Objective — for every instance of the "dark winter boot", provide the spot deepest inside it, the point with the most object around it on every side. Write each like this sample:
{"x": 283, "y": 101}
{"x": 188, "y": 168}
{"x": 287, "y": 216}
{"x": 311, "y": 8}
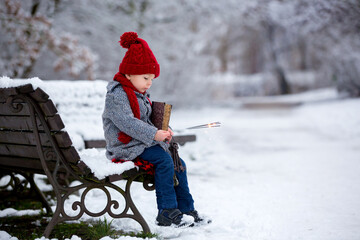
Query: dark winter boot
{"x": 166, "y": 217}
{"x": 197, "y": 218}
{"x": 195, "y": 215}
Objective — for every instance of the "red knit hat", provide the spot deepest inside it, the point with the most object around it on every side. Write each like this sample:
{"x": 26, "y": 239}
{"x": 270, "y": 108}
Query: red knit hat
{"x": 139, "y": 59}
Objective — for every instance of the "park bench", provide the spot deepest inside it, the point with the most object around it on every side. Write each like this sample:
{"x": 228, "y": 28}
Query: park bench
{"x": 180, "y": 139}
{"x": 33, "y": 141}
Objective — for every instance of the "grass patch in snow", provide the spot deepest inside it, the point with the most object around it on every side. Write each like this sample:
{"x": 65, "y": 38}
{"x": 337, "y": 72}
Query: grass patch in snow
{"x": 10, "y": 201}
{"x": 32, "y": 227}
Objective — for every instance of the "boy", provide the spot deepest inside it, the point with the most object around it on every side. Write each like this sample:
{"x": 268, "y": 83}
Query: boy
{"x": 129, "y": 133}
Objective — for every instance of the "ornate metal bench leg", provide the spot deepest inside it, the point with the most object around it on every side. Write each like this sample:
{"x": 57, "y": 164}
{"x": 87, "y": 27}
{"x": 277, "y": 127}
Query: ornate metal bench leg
{"x": 60, "y": 214}
{"x": 39, "y": 194}
{"x": 136, "y": 214}
{"x": 18, "y": 186}
{"x": 54, "y": 220}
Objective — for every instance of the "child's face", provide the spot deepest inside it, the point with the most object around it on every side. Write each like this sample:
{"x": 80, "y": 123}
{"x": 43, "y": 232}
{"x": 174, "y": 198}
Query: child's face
{"x": 141, "y": 82}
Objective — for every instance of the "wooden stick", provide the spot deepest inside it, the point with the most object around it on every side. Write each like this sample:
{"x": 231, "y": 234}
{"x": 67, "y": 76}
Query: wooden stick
{"x": 166, "y": 120}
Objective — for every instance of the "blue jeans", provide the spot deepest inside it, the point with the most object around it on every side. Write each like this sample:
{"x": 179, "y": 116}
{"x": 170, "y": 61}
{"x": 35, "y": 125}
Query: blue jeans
{"x": 168, "y": 196}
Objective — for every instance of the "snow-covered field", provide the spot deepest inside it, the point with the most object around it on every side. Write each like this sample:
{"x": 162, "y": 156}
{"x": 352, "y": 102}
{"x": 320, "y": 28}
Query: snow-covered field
{"x": 278, "y": 174}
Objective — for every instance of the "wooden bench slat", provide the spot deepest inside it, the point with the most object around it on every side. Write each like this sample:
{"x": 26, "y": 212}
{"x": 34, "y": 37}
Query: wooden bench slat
{"x": 63, "y": 139}
{"x": 24, "y": 123}
{"x": 39, "y": 95}
{"x": 23, "y": 163}
{"x": 82, "y": 168}
{"x": 16, "y": 123}
{"x": 30, "y": 151}
{"x": 28, "y": 138}
{"x": 28, "y": 164}
{"x": 180, "y": 139}
{"x": 124, "y": 175}
{"x": 6, "y": 110}
{"x": 71, "y": 155}
{"x": 6, "y": 92}
{"x": 95, "y": 143}
{"x": 3, "y": 99}
{"x": 55, "y": 123}
{"x": 48, "y": 108}
{"x": 27, "y": 88}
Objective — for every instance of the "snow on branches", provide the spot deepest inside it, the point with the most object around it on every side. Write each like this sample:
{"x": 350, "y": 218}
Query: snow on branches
{"x": 26, "y": 32}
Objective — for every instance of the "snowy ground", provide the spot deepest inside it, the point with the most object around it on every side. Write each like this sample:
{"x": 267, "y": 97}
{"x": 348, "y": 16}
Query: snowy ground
{"x": 268, "y": 174}
{"x": 290, "y": 174}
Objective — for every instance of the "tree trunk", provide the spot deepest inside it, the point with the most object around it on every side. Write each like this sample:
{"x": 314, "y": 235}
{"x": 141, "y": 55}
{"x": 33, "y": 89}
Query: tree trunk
{"x": 279, "y": 71}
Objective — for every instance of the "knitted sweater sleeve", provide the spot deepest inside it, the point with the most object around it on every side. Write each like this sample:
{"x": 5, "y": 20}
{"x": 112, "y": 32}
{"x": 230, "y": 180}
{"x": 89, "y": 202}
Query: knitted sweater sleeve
{"x": 118, "y": 110}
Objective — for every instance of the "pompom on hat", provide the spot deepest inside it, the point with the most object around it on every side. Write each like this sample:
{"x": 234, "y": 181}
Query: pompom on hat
{"x": 139, "y": 59}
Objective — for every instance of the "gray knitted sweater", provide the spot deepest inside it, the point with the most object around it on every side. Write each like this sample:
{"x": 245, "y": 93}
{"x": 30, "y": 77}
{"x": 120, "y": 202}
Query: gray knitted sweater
{"x": 118, "y": 116}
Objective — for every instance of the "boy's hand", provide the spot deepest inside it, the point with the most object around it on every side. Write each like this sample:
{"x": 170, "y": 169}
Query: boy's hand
{"x": 161, "y": 135}
{"x": 171, "y": 134}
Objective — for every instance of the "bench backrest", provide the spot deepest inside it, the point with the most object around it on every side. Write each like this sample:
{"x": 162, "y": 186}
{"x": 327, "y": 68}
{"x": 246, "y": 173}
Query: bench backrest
{"x": 31, "y": 130}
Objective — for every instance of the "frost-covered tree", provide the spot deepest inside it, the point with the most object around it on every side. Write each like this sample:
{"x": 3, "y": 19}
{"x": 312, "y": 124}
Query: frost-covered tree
{"x": 26, "y": 32}
{"x": 301, "y": 35}
{"x": 329, "y": 33}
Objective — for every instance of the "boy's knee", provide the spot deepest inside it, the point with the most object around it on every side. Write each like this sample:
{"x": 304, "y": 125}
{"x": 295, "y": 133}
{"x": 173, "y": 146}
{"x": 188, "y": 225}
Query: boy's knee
{"x": 166, "y": 162}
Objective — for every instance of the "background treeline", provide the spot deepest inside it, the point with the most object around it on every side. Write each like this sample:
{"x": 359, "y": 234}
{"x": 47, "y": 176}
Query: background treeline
{"x": 206, "y": 49}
